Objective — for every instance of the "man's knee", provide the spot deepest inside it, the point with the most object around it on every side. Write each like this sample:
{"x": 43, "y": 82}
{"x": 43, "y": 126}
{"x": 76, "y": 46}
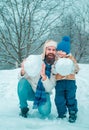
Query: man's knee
{"x": 22, "y": 81}
{"x": 45, "y": 111}
{"x": 21, "y": 88}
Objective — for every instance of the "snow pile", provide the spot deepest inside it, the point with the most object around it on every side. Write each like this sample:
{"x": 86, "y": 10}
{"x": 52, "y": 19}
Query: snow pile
{"x": 9, "y": 105}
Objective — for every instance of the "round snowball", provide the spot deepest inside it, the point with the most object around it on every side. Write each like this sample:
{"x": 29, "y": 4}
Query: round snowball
{"x": 64, "y": 66}
{"x": 33, "y": 65}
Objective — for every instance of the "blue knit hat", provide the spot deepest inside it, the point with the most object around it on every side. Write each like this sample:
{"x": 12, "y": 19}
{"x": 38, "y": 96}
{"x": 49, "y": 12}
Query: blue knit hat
{"x": 64, "y": 45}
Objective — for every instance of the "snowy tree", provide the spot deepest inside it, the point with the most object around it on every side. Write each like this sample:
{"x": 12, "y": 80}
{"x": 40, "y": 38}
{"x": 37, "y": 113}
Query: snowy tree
{"x": 74, "y": 23}
{"x": 24, "y": 26}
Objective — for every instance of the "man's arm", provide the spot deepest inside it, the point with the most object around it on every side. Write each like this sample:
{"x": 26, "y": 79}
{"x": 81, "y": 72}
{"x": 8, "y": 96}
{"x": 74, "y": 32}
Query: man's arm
{"x": 49, "y": 84}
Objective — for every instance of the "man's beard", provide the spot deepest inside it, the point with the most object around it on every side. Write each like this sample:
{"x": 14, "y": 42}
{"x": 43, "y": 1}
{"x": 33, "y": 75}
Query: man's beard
{"x": 50, "y": 58}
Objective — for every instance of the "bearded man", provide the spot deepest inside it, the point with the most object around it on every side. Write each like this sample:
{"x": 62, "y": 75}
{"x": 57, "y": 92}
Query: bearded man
{"x": 38, "y": 88}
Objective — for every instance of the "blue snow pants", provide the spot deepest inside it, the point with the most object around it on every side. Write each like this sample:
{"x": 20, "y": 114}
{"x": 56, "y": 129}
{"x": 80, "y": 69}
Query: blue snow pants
{"x": 65, "y": 96}
{"x": 25, "y": 93}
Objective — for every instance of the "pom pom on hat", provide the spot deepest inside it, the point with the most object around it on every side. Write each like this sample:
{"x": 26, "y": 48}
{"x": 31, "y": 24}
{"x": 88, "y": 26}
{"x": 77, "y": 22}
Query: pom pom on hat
{"x": 66, "y": 38}
{"x": 64, "y": 45}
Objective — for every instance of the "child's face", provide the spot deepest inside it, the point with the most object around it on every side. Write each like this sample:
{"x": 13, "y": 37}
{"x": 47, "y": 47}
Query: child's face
{"x": 61, "y": 54}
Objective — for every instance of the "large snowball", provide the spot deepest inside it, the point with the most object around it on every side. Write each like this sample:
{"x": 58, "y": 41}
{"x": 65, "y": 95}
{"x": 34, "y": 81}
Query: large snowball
{"x": 33, "y": 65}
{"x": 64, "y": 66}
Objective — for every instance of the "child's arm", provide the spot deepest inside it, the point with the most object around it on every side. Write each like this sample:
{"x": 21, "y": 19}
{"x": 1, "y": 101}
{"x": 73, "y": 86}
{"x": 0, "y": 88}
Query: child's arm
{"x": 76, "y": 66}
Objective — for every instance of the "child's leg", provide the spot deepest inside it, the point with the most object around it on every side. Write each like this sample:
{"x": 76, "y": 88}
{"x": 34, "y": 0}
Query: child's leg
{"x": 71, "y": 100}
{"x": 60, "y": 98}
{"x": 71, "y": 95}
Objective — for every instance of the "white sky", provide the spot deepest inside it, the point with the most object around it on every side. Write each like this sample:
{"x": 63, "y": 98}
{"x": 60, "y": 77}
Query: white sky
{"x": 9, "y": 105}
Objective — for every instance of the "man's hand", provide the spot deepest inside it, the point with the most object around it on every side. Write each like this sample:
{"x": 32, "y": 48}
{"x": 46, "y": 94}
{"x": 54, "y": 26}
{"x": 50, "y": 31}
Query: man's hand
{"x": 43, "y": 72}
{"x": 22, "y": 68}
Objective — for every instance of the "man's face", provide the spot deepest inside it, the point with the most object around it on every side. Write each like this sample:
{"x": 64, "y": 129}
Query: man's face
{"x": 50, "y": 53}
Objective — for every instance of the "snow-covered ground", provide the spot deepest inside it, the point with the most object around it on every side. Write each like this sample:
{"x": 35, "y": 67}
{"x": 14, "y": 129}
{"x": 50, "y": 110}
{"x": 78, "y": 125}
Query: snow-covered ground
{"x": 9, "y": 105}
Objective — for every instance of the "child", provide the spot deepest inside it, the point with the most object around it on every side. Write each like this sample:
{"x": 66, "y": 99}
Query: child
{"x": 65, "y": 89}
